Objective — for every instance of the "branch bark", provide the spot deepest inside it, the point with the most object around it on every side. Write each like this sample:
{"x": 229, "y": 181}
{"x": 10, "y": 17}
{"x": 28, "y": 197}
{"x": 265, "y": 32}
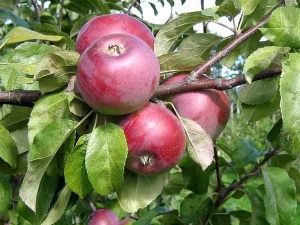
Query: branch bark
{"x": 19, "y": 97}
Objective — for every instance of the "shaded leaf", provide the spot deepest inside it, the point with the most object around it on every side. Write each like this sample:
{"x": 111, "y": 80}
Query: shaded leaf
{"x": 75, "y": 172}
{"x": 105, "y": 158}
{"x": 45, "y": 145}
{"x": 16, "y": 119}
{"x": 200, "y": 147}
{"x": 5, "y": 193}
{"x": 8, "y": 148}
{"x": 147, "y": 218}
{"x": 243, "y": 154}
{"x": 280, "y": 199}
{"x": 139, "y": 191}
{"x": 8, "y": 15}
{"x": 170, "y": 32}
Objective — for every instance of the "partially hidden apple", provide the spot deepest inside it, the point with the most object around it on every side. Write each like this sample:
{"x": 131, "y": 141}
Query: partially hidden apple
{"x": 126, "y": 221}
{"x": 117, "y": 74}
{"x": 103, "y": 25}
{"x": 210, "y": 108}
{"x": 156, "y": 139}
{"x": 104, "y": 217}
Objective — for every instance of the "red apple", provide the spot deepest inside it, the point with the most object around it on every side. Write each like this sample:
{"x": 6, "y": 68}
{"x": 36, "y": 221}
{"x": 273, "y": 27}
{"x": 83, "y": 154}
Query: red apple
{"x": 210, "y": 108}
{"x": 101, "y": 26}
{"x": 126, "y": 221}
{"x": 104, "y": 217}
{"x": 117, "y": 74}
{"x": 156, "y": 139}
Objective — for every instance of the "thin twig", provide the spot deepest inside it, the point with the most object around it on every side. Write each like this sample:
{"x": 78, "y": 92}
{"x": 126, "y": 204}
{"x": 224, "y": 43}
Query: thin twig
{"x": 36, "y": 9}
{"x": 223, "y": 25}
{"x": 237, "y": 184}
{"x": 218, "y": 173}
{"x": 60, "y": 15}
{"x": 131, "y": 6}
{"x": 204, "y": 23}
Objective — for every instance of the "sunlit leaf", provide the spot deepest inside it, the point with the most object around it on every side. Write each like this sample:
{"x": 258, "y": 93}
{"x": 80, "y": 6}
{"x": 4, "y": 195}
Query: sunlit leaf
{"x": 248, "y": 6}
{"x": 283, "y": 27}
{"x": 139, "y": 191}
{"x": 105, "y": 158}
{"x": 280, "y": 199}
{"x": 45, "y": 145}
{"x": 262, "y": 59}
{"x": 8, "y": 148}
{"x": 200, "y": 147}
{"x": 290, "y": 107}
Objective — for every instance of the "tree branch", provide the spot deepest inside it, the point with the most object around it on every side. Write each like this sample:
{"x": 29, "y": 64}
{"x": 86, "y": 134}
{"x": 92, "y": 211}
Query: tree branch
{"x": 237, "y": 184}
{"x": 219, "y": 83}
{"x": 36, "y": 9}
{"x": 19, "y": 97}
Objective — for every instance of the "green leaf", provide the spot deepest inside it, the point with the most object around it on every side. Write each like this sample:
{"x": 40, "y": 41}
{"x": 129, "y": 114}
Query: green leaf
{"x": 262, "y": 59}
{"x": 47, "y": 109}
{"x": 16, "y": 119}
{"x": 45, "y": 145}
{"x": 5, "y": 194}
{"x": 17, "y": 21}
{"x": 283, "y": 27}
{"x": 105, "y": 158}
{"x": 8, "y": 148}
{"x": 55, "y": 69}
{"x": 8, "y": 4}
{"x": 139, "y": 191}
{"x": 171, "y": 31}
{"x": 256, "y": 112}
{"x": 290, "y": 107}
{"x": 295, "y": 175}
{"x": 194, "y": 208}
{"x": 243, "y": 154}
{"x": 179, "y": 61}
{"x": 59, "y": 207}
{"x": 256, "y": 197}
{"x": 195, "y": 178}
{"x": 200, "y": 146}
{"x": 149, "y": 215}
{"x": 248, "y": 6}
{"x": 75, "y": 172}
{"x": 258, "y": 92}
{"x": 280, "y": 199}
{"x": 290, "y": 2}
{"x": 201, "y": 43}
{"x": 228, "y": 7}
{"x": 20, "y": 34}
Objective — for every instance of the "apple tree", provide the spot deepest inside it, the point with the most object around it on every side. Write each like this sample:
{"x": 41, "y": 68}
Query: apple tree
{"x": 128, "y": 125}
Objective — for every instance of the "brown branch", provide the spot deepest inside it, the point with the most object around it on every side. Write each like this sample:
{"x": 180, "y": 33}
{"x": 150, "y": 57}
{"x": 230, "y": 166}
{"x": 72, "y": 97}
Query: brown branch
{"x": 227, "y": 49}
{"x": 36, "y": 9}
{"x": 19, "y": 97}
{"x": 60, "y": 15}
{"x": 131, "y": 6}
{"x": 237, "y": 184}
{"x": 219, "y": 83}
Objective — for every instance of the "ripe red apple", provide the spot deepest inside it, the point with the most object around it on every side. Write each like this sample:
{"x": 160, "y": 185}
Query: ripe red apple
{"x": 126, "y": 221}
{"x": 210, "y": 108}
{"x": 104, "y": 217}
{"x": 117, "y": 74}
{"x": 113, "y": 23}
{"x": 156, "y": 139}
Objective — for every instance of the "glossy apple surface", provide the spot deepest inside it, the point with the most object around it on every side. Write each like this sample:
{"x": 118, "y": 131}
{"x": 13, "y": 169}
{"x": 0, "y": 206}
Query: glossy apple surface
{"x": 156, "y": 139}
{"x": 103, "y": 25}
{"x": 104, "y": 217}
{"x": 210, "y": 108}
{"x": 117, "y": 74}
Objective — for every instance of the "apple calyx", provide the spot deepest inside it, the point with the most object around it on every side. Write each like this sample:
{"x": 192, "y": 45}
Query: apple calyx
{"x": 115, "y": 50}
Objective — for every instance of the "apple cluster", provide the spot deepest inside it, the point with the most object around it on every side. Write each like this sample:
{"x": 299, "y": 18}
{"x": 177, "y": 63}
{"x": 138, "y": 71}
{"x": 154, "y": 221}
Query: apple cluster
{"x": 118, "y": 73}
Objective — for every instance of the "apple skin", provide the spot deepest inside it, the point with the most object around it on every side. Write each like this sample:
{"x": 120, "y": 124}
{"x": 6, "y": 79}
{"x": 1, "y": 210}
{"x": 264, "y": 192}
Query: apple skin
{"x": 210, "y": 108}
{"x": 117, "y": 74}
{"x": 126, "y": 221}
{"x": 104, "y": 217}
{"x": 156, "y": 140}
{"x": 103, "y": 25}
